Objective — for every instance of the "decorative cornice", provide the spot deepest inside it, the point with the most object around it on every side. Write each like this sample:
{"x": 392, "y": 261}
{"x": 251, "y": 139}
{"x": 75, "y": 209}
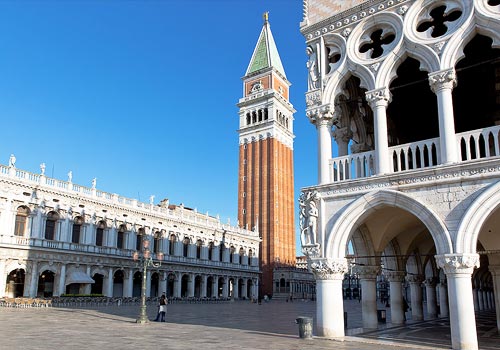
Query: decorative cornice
{"x": 329, "y": 269}
{"x": 351, "y": 16}
{"x": 458, "y": 263}
{"x": 443, "y": 174}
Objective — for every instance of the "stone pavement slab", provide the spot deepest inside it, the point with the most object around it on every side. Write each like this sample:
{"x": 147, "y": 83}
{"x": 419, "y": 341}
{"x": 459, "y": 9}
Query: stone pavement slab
{"x": 238, "y": 325}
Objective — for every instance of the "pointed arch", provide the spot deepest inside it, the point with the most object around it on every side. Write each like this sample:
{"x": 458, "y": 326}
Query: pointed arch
{"x": 364, "y": 206}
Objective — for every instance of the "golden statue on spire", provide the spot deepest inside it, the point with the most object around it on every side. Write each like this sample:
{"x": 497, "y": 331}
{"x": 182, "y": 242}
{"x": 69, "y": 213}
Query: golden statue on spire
{"x": 265, "y": 16}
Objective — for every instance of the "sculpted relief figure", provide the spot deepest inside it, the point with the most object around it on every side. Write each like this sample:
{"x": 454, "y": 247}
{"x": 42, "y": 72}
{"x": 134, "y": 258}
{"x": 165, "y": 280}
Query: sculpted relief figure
{"x": 308, "y": 219}
{"x": 312, "y": 67}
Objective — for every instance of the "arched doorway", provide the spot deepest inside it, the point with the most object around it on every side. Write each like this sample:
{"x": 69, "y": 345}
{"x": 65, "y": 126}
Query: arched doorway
{"x": 184, "y": 286}
{"x": 15, "y": 283}
{"x": 210, "y": 283}
{"x": 197, "y": 286}
{"x": 118, "y": 280}
{"x": 170, "y": 285}
{"x": 137, "y": 284}
{"x": 97, "y": 287}
{"x": 46, "y": 284}
{"x": 155, "y": 284}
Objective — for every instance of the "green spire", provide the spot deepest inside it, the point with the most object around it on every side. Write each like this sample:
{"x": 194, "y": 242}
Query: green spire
{"x": 265, "y": 54}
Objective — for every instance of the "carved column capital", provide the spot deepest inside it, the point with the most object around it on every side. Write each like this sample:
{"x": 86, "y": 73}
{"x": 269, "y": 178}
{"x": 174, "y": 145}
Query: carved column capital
{"x": 378, "y": 97}
{"x": 329, "y": 269}
{"x": 430, "y": 282}
{"x": 443, "y": 79}
{"x": 417, "y": 279}
{"x": 342, "y": 134}
{"x": 367, "y": 272}
{"x": 395, "y": 276}
{"x": 458, "y": 263}
{"x": 322, "y": 116}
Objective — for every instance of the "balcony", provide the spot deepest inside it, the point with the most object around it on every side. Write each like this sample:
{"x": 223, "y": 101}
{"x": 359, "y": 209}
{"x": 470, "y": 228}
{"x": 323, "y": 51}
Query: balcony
{"x": 472, "y": 145}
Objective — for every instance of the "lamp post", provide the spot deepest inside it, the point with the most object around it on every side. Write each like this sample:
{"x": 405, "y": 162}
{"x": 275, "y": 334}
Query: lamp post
{"x": 144, "y": 259}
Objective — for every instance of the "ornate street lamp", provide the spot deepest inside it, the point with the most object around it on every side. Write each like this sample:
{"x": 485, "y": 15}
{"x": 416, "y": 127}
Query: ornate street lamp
{"x": 144, "y": 259}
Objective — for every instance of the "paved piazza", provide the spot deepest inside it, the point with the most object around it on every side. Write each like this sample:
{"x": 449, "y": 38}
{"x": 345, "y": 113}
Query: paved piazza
{"x": 238, "y": 325}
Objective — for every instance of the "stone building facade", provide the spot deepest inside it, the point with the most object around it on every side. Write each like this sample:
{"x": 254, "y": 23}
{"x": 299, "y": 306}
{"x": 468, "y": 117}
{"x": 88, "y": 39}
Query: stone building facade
{"x": 408, "y": 90}
{"x": 58, "y": 237}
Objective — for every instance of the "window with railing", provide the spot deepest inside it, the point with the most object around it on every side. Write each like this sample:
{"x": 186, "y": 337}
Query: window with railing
{"x": 77, "y": 229}
{"x": 199, "y": 245}
{"x": 120, "y": 237}
{"x": 185, "y": 247}
{"x": 99, "y": 233}
{"x": 22, "y": 215}
{"x": 210, "y": 251}
{"x": 242, "y": 254}
{"x": 139, "y": 237}
{"x": 171, "y": 248}
{"x": 157, "y": 242}
{"x": 50, "y": 225}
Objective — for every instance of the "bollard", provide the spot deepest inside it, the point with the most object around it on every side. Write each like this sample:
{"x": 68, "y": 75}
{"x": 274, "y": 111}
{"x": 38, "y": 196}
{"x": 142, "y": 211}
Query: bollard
{"x": 305, "y": 326}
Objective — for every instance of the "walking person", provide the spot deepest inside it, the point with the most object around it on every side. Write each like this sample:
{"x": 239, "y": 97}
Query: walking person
{"x": 162, "y": 309}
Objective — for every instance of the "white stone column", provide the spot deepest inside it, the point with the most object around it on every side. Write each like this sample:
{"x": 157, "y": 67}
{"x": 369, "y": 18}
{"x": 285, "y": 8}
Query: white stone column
{"x": 442, "y": 84}
{"x": 323, "y": 119}
{"x": 190, "y": 291}
{"x": 244, "y": 288}
{"x": 61, "y": 286}
{"x": 33, "y": 280}
{"x": 203, "y": 286}
{"x": 396, "y": 279}
{"x": 443, "y": 299}
{"x": 225, "y": 287}
{"x": 417, "y": 310}
{"x": 480, "y": 300}
{"x": 128, "y": 283}
{"x": 342, "y": 137}
{"x": 378, "y": 100}
{"x": 430, "y": 292}
{"x": 236, "y": 288}
{"x": 109, "y": 283}
{"x": 475, "y": 296}
{"x": 495, "y": 274}
{"x": 215, "y": 287}
{"x": 163, "y": 283}
{"x": 329, "y": 274}
{"x": 368, "y": 279}
{"x": 178, "y": 285}
{"x": 3, "y": 278}
{"x": 458, "y": 269}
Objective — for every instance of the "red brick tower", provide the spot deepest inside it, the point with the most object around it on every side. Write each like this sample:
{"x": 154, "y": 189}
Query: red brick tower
{"x": 265, "y": 186}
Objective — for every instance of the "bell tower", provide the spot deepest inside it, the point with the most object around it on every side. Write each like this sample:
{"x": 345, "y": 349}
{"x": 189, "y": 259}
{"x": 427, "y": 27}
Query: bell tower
{"x": 265, "y": 185}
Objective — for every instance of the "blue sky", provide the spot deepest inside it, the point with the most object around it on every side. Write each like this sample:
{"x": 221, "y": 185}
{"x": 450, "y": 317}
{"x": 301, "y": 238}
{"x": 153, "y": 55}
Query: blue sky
{"x": 142, "y": 94}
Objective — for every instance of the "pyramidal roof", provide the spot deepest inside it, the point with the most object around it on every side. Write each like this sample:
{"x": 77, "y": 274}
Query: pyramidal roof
{"x": 265, "y": 54}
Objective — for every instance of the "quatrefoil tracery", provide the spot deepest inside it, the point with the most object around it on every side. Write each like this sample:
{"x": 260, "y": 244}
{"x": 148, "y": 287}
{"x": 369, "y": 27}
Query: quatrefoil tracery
{"x": 438, "y": 22}
{"x": 378, "y": 40}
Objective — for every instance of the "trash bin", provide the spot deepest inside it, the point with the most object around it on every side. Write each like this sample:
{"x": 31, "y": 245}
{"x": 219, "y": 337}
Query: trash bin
{"x": 381, "y": 315}
{"x": 305, "y": 326}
